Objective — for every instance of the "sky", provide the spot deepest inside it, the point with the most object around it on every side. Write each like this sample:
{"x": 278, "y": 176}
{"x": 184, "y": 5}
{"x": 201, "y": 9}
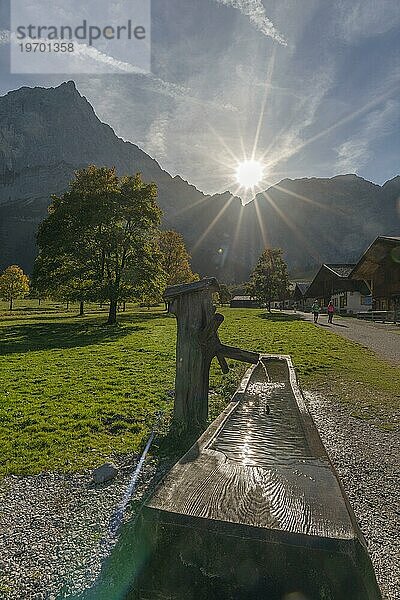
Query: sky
{"x": 310, "y": 87}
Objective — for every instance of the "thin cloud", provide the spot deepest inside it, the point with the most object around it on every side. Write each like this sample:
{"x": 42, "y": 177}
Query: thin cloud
{"x": 356, "y": 151}
{"x": 179, "y": 92}
{"x": 255, "y": 10}
{"x": 84, "y": 53}
{"x": 290, "y": 140}
{"x": 361, "y": 19}
{"x": 247, "y": 74}
{"x": 156, "y": 142}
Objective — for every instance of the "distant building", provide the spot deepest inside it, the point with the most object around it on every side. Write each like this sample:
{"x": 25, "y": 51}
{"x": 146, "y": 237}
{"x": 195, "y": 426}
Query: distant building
{"x": 287, "y": 302}
{"x": 299, "y": 296}
{"x": 379, "y": 266}
{"x": 332, "y": 282}
{"x": 244, "y": 302}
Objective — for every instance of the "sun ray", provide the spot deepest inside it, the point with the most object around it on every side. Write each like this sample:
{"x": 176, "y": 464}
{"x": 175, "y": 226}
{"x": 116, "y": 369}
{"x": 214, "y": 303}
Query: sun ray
{"x": 190, "y": 206}
{"x": 212, "y": 224}
{"x": 222, "y": 142}
{"x": 220, "y": 191}
{"x": 289, "y": 152}
{"x": 261, "y": 225}
{"x": 238, "y": 226}
{"x": 267, "y": 90}
{"x": 244, "y": 153}
{"x": 279, "y": 134}
{"x": 331, "y": 209}
{"x": 313, "y": 252}
{"x": 230, "y": 165}
{"x": 351, "y": 116}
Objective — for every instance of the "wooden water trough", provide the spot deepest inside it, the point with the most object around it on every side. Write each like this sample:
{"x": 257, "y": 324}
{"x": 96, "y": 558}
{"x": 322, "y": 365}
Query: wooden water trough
{"x": 254, "y": 510}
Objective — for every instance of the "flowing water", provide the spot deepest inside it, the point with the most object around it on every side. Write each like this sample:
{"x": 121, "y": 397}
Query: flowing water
{"x": 266, "y": 428}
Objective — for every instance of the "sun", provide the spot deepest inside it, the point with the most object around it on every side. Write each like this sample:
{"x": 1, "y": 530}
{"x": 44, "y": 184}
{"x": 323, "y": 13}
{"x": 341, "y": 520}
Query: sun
{"x": 249, "y": 173}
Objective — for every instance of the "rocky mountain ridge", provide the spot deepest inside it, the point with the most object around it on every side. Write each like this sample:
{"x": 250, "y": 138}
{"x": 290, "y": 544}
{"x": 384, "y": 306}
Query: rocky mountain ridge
{"x": 48, "y": 133}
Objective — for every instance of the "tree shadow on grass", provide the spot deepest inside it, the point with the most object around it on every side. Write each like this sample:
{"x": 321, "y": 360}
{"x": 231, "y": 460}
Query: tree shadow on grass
{"x": 98, "y": 315}
{"x": 29, "y": 337}
{"x": 280, "y": 317}
{"x": 143, "y": 316}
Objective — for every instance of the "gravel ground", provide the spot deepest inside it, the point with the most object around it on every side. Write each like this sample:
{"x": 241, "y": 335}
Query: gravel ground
{"x": 382, "y": 338}
{"x": 368, "y": 462}
{"x": 53, "y": 530}
{"x": 53, "y": 527}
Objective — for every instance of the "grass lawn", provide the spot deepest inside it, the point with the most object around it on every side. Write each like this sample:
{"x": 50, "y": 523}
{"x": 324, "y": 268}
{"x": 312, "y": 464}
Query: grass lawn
{"x": 73, "y": 391}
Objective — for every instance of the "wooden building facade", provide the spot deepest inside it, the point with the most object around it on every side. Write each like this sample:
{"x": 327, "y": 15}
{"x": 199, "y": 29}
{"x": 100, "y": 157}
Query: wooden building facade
{"x": 332, "y": 282}
{"x": 379, "y": 266}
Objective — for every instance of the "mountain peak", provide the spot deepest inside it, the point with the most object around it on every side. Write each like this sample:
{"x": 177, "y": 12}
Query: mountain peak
{"x": 394, "y": 181}
{"x": 68, "y": 85}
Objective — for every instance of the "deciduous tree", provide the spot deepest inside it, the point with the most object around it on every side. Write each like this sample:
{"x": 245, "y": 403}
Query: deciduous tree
{"x": 269, "y": 281}
{"x": 13, "y": 284}
{"x": 99, "y": 239}
{"x": 225, "y": 295}
{"x": 175, "y": 259}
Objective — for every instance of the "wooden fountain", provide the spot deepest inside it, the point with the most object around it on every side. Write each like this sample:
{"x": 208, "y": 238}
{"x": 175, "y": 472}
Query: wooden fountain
{"x": 254, "y": 510}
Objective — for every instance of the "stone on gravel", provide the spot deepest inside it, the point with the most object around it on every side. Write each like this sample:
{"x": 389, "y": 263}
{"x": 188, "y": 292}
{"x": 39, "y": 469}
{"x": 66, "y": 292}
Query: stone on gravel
{"x": 104, "y": 473}
{"x": 54, "y": 530}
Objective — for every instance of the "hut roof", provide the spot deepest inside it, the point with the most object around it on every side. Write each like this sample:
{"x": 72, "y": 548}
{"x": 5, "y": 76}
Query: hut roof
{"x": 341, "y": 270}
{"x": 303, "y": 287}
{"x": 374, "y": 256}
{"x": 333, "y": 279}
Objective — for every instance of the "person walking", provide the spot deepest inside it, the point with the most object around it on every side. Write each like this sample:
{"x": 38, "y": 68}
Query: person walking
{"x": 331, "y": 312}
{"x": 315, "y": 310}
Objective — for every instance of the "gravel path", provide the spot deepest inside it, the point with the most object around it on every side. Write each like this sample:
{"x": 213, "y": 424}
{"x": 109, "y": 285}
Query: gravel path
{"x": 368, "y": 462}
{"x": 382, "y": 338}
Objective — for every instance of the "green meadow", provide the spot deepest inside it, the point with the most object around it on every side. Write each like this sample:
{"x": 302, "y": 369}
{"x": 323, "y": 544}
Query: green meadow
{"x": 74, "y": 391}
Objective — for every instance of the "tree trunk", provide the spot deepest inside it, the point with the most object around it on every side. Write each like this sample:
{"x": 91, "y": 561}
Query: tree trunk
{"x": 193, "y": 311}
{"x": 11, "y": 304}
{"x": 81, "y": 308}
{"x": 39, "y": 301}
{"x": 112, "y": 315}
{"x": 67, "y": 304}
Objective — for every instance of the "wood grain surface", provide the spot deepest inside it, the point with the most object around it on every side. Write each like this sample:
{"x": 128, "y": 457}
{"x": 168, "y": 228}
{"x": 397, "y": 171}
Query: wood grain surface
{"x": 262, "y": 465}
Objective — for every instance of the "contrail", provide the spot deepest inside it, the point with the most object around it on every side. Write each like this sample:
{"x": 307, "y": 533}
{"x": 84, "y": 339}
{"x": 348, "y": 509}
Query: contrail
{"x": 254, "y": 9}
{"x": 83, "y": 52}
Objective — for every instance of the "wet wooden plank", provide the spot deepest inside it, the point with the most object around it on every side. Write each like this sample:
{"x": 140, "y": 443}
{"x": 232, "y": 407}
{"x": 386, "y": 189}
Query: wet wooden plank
{"x": 260, "y": 467}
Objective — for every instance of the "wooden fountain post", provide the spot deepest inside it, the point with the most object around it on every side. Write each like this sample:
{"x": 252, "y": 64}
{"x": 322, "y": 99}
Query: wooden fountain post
{"x": 197, "y": 344}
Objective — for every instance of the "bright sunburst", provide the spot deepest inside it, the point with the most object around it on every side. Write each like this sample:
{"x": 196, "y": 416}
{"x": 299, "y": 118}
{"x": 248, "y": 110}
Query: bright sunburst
{"x": 249, "y": 173}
